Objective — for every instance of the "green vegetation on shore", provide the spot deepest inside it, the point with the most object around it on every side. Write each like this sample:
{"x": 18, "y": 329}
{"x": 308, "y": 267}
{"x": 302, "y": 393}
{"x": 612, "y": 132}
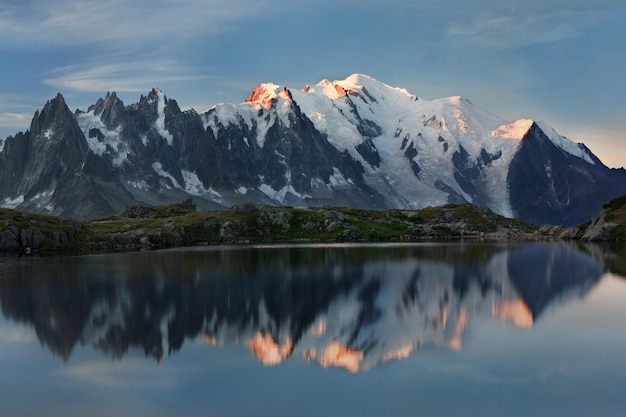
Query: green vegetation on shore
{"x": 139, "y": 227}
{"x": 608, "y": 225}
{"x": 616, "y": 214}
{"x": 23, "y": 232}
{"x": 182, "y": 225}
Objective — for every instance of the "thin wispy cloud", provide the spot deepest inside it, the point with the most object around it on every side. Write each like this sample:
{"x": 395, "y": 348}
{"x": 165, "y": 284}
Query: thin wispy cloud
{"x": 118, "y": 23}
{"x": 499, "y": 24}
{"x": 137, "y": 76}
{"x": 15, "y": 120}
{"x": 15, "y": 112}
{"x": 512, "y": 30}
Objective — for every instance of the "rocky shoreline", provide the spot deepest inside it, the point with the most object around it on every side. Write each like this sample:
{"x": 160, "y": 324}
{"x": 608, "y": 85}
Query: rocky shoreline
{"x": 139, "y": 227}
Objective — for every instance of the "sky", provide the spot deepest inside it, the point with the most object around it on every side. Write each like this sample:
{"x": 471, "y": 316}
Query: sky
{"x": 561, "y": 61}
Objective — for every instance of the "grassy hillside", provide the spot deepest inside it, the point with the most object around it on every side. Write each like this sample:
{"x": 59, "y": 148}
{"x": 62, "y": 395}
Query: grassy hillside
{"x": 616, "y": 214}
{"x": 22, "y": 232}
{"x": 609, "y": 225}
{"x": 181, "y": 225}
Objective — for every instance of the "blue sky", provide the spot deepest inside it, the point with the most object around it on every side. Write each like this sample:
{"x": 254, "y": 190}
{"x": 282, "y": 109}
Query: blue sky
{"x": 562, "y": 61}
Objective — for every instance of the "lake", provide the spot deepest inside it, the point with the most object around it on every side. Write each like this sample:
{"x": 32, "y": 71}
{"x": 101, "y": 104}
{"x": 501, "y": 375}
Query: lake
{"x": 433, "y": 329}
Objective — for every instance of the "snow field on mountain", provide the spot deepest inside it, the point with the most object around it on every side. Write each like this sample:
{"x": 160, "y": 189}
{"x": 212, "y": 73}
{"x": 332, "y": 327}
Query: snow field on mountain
{"x": 160, "y": 121}
{"x": 406, "y": 152}
{"x": 403, "y": 119}
{"x": 564, "y": 143}
{"x": 406, "y": 129}
{"x": 111, "y": 140}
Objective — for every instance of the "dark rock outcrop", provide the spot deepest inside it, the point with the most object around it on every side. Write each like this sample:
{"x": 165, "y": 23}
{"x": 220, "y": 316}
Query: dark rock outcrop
{"x": 548, "y": 185}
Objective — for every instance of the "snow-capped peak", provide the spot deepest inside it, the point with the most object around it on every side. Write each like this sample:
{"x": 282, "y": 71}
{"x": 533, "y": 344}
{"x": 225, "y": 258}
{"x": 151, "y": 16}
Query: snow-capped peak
{"x": 564, "y": 143}
{"x": 519, "y": 128}
{"x": 363, "y": 86}
{"x": 354, "y": 141}
{"x": 515, "y": 130}
{"x": 266, "y": 92}
{"x": 332, "y": 90}
{"x": 154, "y": 95}
{"x": 361, "y": 82}
{"x": 459, "y": 111}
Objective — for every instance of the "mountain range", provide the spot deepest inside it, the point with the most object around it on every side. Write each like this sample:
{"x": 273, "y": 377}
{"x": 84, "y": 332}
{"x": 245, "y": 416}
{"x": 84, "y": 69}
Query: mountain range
{"x": 355, "y": 142}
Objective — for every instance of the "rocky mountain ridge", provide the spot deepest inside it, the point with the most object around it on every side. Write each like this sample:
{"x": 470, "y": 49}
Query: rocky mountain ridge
{"x": 355, "y": 142}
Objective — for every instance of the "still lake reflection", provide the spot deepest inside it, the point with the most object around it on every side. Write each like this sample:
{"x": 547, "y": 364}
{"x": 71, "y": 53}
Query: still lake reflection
{"x": 311, "y": 330}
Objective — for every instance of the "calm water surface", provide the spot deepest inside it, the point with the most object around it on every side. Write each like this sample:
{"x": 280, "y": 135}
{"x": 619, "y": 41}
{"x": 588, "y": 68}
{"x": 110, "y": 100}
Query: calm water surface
{"x": 365, "y": 330}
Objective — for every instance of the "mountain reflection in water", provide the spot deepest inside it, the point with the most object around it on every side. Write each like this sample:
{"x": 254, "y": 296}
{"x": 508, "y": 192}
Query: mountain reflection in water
{"x": 353, "y": 307}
